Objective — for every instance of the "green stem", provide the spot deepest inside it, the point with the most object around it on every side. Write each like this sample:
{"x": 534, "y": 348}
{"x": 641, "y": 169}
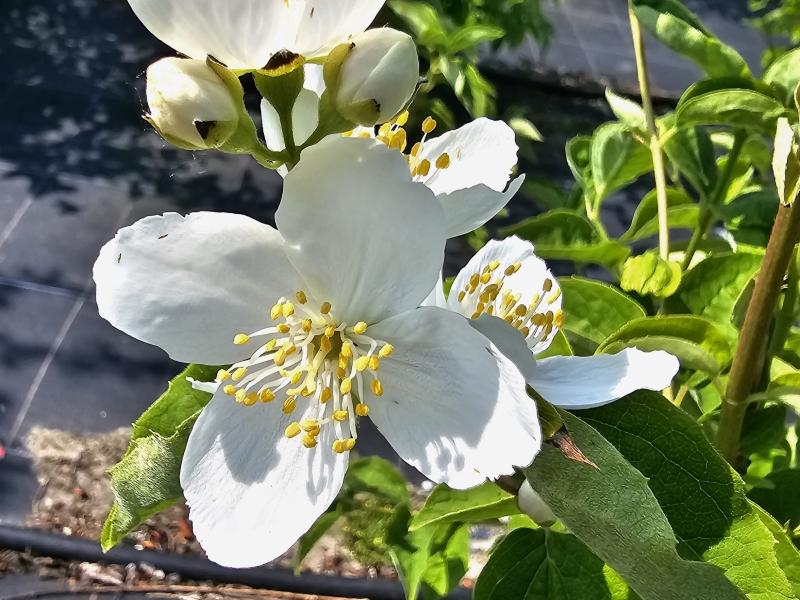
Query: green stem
{"x": 655, "y": 142}
{"x": 706, "y": 217}
{"x": 785, "y": 318}
{"x": 750, "y": 356}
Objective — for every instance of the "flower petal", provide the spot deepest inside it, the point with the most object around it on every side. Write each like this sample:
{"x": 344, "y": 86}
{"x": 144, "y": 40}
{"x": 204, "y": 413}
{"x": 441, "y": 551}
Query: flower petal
{"x": 305, "y": 119}
{"x": 482, "y": 152}
{"x": 466, "y": 210}
{"x": 453, "y": 406}
{"x": 329, "y": 22}
{"x": 363, "y": 235}
{"x": 509, "y": 342}
{"x": 242, "y": 34}
{"x": 436, "y": 297}
{"x": 189, "y": 284}
{"x": 576, "y": 382}
{"x": 535, "y": 285}
{"x": 253, "y": 492}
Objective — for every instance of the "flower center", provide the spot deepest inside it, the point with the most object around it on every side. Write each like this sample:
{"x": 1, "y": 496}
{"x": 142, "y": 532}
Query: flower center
{"x": 394, "y": 135}
{"x": 486, "y": 293}
{"x": 310, "y": 356}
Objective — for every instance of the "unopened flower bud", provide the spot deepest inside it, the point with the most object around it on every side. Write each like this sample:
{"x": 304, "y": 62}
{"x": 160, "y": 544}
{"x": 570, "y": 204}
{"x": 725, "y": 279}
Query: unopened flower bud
{"x": 378, "y": 76}
{"x": 190, "y": 104}
{"x": 531, "y": 504}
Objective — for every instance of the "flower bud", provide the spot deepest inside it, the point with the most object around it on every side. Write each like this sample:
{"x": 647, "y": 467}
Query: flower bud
{"x": 190, "y": 104}
{"x": 377, "y": 77}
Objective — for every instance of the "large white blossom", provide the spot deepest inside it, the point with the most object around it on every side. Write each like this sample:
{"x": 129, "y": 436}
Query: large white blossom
{"x": 246, "y": 34}
{"x": 321, "y": 320}
{"x": 514, "y": 300}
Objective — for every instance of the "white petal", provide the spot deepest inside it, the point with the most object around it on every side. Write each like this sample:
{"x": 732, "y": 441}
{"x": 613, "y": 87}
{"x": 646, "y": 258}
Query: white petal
{"x": 482, "y": 152}
{"x": 576, "y": 382}
{"x": 329, "y": 22}
{"x": 252, "y": 492}
{"x": 466, "y": 210}
{"x": 305, "y": 118}
{"x": 189, "y": 284}
{"x": 453, "y": 406}
{"x": 362, "y": 234}
{"x": 509, "y": 341}
{"x": 243, "y": 34}
{"x": 436, "y": 297}
{"x": 314, "y": 78}
{"x": 529, "y": 283}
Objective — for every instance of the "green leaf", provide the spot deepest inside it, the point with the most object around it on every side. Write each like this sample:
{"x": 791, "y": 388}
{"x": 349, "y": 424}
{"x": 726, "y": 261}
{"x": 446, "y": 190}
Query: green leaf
{"x": 781, "y": 501}
{"x": 469, "y": 36}
{"x": 560, "y": 346}
{"x": 712, "y": 288}
{"x": 483, "y": 503}
{"x": 534, "y": 564}
{"x": 611, "y": 509}
{"x": 690, "y": 149}
{"x": 579, "y": 158}
{"x": 650, "y": 275}
{"x": 741, "y": 109}
{"x": 313, "y": 535}
{"x": 764, "y": 428}
{"x": 784, "y": 75}
{"x": 627, "y": 111}
{"x": 147, "y": 479}
{"x": 697, "y": 342}
{"x": 786, "y": 552}
{"x": 750, "y": 216}
{"x": 682, "y": 212}
{"x": 683, "y": 36}
{"x": 716, "y": 84}
{"x": 423, "y": 21}
{"x": 617, "y": 159}
{"x": 410, "y": 550}
{"x": 565, "y": 235}
{"x": 675, "y": 8}
{"x": 594, "y": 310}
{"x": 525, "y": 129}
{"x": 785, "y": 162}
{"x": 377, "y": 476}
{"x": 702, "y": 497}
{"x": 448, "y": 561}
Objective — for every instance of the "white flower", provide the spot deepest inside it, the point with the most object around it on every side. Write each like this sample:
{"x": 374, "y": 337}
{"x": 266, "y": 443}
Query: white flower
{"x": 377, "y": 77}
{"x": 251, "y": 34}
{"x": 305, "y": 113}
{"x": 358, "y": 246}
{"x": 189, "y": 103}
{"x": 513, "y": 299}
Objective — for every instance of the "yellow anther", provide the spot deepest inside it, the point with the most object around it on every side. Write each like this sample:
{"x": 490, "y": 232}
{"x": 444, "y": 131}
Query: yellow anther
{"x": 289, "y": 405}
{"x": 289, "y": 348}
{"x": 307, "y": 325}
{"x": 280, "y": 358}
{"x": 309, "y": 441}
{"x": 296, "y": 377}
{"x": 287, "y": 310}
{"x": 486, "y": 277}
{"x": 266, "y": 395}
{"x": 362, "y": 410}
{"x": 509, "y": 319}
{"x": 270, "y": 345}
{"x": 474, "y": 280}
{"x": 402, "y": 118}
{"x": 558, "y": 319}
{"x": 301, "y": 297}
{"x": 307, "y": 391}
{"x": 327, "y": 394}
{"x": 293, "y": 430}
{"x": 521, "y": 310}
{"x": 250, "y": 399}
{"x": 548, "y": 285}
{"x": 385, "y": 129}
{"x": 239, "y": 374}
{"x": 348, "y": 133}
{"x": 325, "y": 345}
{"x": 525, "y": 331}
{"x": 346, "y": 386}
{"x": 423, "y": 168}
{"x": 283, "y": 328}
{"x": 362, "y": 362}
{"x": 340, "y": 446}
{"x": 349, "y": 444}
{"x": 240, "y": 339}
{"x": 511, "y": 269}
{"x": 276, "y": 311}
{"x": 490, "y": 310}
{"x": 325, "y": 308}
{"x": 229, "y": 389}
{"x": 240, "y": 395}
{"x": 554, "y": 296}
{"x": 386, "y": 351}
{"x": 374, "y": 363}
{"x": 347, "y": 350}
{"x": 415, "y": 149}
{"x": 341, "y": 416}
{"x": 461, "y": 295}
{"x": 485, "y": 297}
{"x": 341, "y": 372}
{"x": 360, "y": 327}
{"x": 475, "y": 315}
{"x": 398, "y": 140}
{"x": 310, "y": 426}
{"x": 443, "y": 161}
{"x": 428, "y": 125}
{"x": 223, "y": 375}
{"x": 377, "y": 387}
{"x": 494, "y": 265}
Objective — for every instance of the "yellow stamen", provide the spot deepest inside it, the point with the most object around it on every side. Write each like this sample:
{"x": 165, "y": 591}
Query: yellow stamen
{"x": 341, "y": 415}
{"x": 347, "y": 386}
{"x": 347, "y": 350}
{"x": 229, "y": 389}
{"x": 377, "y": 387}
{"x": 301, "y": 297}
{"x": 289, "y": 405}
{"x": 240, "y": 339}
{"x": 423, "y": 168}
{"x": 428, "y": 125}
{"x": 309, "y": 441}
{"x": 362, "y": 410}
{"x": 239, "y": 374}
{"x": 223, "y": 375}
{"x": 349, "y": 444}
{"x": 270, "y": 345}
{"x": 276, "y": 311}
{"x": 327, "y": 394}
{"x": 386, "y": 351}
{"x": 240, "y": 395}
{"x": 415, "y": 149}
{"x": 443, "y": 161}
{"x": 548, "y": 285}
{"x": 374, "y": 363}
{"x": 362, "y": 362}
{"x": 283, "y": 328}
{"x": 554, "y": 296}
{"x": 330, "y": 331}
{"x": 325, "y": 308}
{"x": 402, "y": 118}
{"x": 250, "y": 399}
{"x": 266, "y": 395}
{"x": 339, "y": 446}
{"x": 287, "y": 310}
{"x": 360, "y": 327}
{"x": 293, "y": 430}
